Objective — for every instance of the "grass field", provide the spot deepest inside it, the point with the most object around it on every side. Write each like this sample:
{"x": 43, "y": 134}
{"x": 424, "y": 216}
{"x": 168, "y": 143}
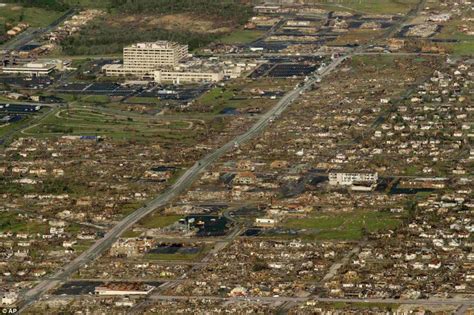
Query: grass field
{"x": 356, "y": 37}
{"x": 241, "y": 37}
{"x": 174, "y": 257}
{"x": 12, "y": 223}
{"x": 158, "y": 220}
{"x": 36, "y": 17}
{"x": 9, "y": 127}
{"x": 344, "y": 226}
{"x": 371, "y": 6}
{"x": 461, "y": 48}
{"x": 88, "y": 3}
{"x": 179, "y": 256}
{"x": 92, "y": 121}
{"x": 236, "y": 94}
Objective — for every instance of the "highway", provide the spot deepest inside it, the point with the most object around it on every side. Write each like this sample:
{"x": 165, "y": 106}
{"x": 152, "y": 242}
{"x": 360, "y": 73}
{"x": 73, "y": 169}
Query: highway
{"x": 184, "y": 182}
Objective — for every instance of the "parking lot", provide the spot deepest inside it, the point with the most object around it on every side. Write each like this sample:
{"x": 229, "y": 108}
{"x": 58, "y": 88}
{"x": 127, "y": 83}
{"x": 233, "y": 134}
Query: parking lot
{"x": 88, "y": 287}
{"x": 27, "y": 82}
{"x": 163, "y": 92}
{"x": 19, "y": 108}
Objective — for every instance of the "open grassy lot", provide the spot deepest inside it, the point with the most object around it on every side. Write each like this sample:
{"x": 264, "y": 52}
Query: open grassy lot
{"x": 173, "y": 257}
{"x": 461, "y": 48}
{"x": 179, "y": 256}
{"x": 360, "y": 37}
{"x": 36, "y": 17}
{"x": 241, "y": 37}
{"x": 344, "y": 226}
{"x": 102, "y": 4}
{"x": 10, "y": 222}
{"x": 371, "y": 6}
{"x": 238, "y": 94}
{"x": 91, "y": 121}
{"x": 5, "y": 129}
{"x": 158, "y": 220}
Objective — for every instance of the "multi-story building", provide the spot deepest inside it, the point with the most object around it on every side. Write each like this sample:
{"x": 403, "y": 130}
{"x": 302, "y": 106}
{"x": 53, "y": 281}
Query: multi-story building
{"x": 142, "y": 59}
{"x": 150, "y": 56}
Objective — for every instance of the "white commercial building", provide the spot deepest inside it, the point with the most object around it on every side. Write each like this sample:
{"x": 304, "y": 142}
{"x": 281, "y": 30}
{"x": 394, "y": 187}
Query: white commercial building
{"x": 348, "y": 179}
{"x": 143, "y": 59}
{"x": 127, "y": 289}
{"x": 34, "y": 69}
{"x": 187, "y": 76}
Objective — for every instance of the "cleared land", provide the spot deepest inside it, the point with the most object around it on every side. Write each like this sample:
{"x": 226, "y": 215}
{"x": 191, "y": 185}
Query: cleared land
{"x": 90, "y": 121}
{"x": 370, "y": 6}
{"x": 344, "y": 226}
{"x": 36, "y": 17}
{"x": 241, "y": 37}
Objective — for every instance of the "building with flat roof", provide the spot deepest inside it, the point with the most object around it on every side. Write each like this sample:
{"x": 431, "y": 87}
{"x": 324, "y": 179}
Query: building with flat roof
{"x": 142, "y": 59}
{"x": 120, "y": 288}
{"x": 187, "y": 76}
{"x": 34, "y": 69}
{"x": 348, "y": 179}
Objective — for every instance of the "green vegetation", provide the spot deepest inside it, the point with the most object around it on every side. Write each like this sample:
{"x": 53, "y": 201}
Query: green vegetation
{"x": 47, "y": 186}
{"x": 225, "y": 10}
{"x": 379, "y": 61}
{"x": 464, "y": 48}
{"x": 241, "y": 37}
{"x": 179, "y": 256}
{"x": 371, "y": 6}
{"x": 36, "y": 17}
{"x": 412, "y": 170}
{"x": 174, "y": 257}
{"x": 7, "y": 128}
{"x": 100, "y": 38}
{"x": 130, "y": 207}
{"x": 344, "y": 226}
{"x": 92, "y": 121}
{"x": 106, "y": 36}
{"x": 13, "y": 223}
{"x": 102, "y": 4}
{"x": 54, "y": 5}
{"x": 158, "y": 220}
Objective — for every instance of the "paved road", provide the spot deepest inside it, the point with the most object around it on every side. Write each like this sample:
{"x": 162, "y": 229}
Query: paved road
{"x": 177, "y": 188}
{"x": 462, "y": 310}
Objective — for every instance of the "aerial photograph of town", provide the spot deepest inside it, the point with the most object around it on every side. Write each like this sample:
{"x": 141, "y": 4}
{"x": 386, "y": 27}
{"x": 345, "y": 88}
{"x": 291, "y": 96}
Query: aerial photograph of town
{"x": 237, "y": 157}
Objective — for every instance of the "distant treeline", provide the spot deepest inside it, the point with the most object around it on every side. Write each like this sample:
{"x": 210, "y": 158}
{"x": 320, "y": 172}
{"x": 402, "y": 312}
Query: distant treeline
{"x": 55, "y": 5}
{"x": 97, "y": 39}
{"x": 223, "y": 10}
{"x": 101, "y": 38}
